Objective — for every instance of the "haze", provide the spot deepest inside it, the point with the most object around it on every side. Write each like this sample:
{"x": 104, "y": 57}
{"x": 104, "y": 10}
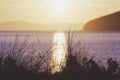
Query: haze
{"x": 56, "y": 11}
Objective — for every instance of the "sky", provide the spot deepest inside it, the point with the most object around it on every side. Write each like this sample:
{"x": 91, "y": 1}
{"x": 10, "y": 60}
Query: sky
{"x": 56, "y": 11}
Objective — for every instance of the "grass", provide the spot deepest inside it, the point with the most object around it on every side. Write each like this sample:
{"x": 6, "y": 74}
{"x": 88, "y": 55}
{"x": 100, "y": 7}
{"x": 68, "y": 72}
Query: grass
{"x": 16, "y": 63}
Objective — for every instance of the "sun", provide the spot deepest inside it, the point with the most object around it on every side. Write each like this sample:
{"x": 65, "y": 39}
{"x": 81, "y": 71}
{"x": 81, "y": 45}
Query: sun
{"x": 59, "y": 7}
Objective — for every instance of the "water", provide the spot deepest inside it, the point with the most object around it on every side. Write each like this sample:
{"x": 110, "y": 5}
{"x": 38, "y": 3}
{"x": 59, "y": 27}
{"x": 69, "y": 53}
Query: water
{"x": 59, "y": 52}
{"x": 100, "y": 45}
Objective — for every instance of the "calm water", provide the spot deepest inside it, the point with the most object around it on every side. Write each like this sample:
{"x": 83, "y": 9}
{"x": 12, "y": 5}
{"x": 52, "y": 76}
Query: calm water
{"x": 100, "y": 45}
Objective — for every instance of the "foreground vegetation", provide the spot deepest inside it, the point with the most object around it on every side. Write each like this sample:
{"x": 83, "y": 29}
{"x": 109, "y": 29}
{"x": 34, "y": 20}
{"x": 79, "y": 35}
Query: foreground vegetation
{"x": 16, "y": 64}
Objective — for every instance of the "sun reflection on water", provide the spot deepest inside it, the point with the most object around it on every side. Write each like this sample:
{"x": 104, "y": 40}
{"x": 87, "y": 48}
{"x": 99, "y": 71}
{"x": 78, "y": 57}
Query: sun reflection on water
{"x": 59, "y": 52}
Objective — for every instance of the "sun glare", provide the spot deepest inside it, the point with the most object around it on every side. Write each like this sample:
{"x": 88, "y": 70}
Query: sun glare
{"x": 59, "y": 7}
{"x": 59, "y": 52}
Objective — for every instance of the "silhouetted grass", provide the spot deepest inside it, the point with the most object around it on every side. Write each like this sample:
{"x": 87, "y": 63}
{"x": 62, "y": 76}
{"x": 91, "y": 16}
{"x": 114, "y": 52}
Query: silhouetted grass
{"x": 80, "y": 66}
{"x": 20, "y": 61}
{"x": 16, "y": 63}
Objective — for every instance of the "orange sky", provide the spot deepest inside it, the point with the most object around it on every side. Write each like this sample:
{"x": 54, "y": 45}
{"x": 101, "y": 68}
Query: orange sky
{"x": 56, "y": 11}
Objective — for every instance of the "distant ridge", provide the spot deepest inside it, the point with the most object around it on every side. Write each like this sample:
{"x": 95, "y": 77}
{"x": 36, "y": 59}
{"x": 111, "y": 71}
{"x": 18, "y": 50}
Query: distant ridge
{"x": 106, "y": 23}
{"x": 16, "y": 25}
{"x": 27, "y": 26}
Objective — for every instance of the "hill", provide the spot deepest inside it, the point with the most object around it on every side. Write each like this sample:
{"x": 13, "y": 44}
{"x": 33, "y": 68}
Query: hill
{"x": 27, "y": 26}
{"x": 17, "y": 26}
{"x": 106, "y": 23}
